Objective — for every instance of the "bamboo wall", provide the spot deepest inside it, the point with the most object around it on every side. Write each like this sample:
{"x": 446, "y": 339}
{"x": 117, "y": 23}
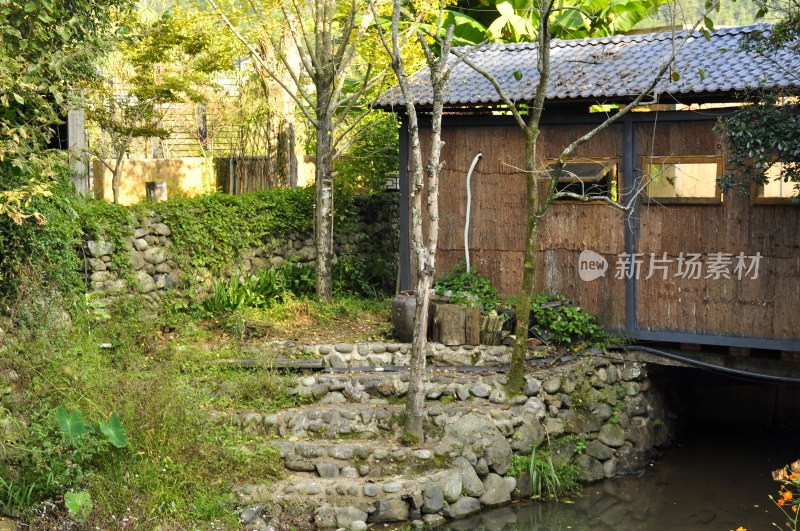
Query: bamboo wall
{"x": 749, "y": 308}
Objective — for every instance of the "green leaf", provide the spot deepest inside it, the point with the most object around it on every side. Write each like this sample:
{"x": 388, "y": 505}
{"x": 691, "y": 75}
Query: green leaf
{"x": 72, "y": 424}
{"x": 708, "y": 23}
{"x": 114, "y": 431}
{"x": 79, "y": 504}
{"x": 517, "y": 75}
{"x": 505, "y": 9}
{"x": 19, "y": 98}
{"x": 702, "y": 73}
{"x": 30, "y": 7}
{"x": 675, "y": 76}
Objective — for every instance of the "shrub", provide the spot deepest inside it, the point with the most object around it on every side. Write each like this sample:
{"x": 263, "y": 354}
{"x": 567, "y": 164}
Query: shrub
{"x": 469, "y": 288}
{"x": 299, "y": 279}
{"x": 557, "y": 320}
{"x": 262, "y": 290}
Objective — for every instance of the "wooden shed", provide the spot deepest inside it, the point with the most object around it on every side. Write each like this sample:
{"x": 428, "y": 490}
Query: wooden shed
{"x": 686, "y": 264}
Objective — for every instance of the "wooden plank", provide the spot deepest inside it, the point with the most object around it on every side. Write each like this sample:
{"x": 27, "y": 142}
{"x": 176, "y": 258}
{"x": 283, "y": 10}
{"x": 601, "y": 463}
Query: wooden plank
{"x": 472, "y": 326}
{"x": 275, "y": 363}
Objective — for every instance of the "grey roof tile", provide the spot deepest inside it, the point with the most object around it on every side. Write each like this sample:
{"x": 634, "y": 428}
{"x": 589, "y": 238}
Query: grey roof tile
{"x": 608, "y": 68}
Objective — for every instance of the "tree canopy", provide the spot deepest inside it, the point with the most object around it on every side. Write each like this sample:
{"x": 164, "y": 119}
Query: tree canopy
{"x": 48, "y": 50}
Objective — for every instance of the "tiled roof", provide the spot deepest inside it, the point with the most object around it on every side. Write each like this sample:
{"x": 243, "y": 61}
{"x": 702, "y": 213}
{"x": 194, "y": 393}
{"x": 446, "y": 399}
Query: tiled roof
{"x": 609, "y": 68}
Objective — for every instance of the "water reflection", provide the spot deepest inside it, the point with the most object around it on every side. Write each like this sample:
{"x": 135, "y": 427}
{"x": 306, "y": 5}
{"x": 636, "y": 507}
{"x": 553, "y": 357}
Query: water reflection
{"x": 718, "y": 481}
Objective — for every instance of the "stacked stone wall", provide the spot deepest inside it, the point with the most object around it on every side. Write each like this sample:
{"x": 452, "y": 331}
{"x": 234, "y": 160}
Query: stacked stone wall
{"x": 144, "y": 261}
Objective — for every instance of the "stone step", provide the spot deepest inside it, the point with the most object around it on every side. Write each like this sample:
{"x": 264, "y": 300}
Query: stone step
{"x": 356, "y": 459}
{"x": 371, "y": 421}
{"x": 322, "y": 421}
{"x": 380, "y": 353}
{"x": 432, "y": 497}
{"x": 605, "y": 405}
{"x": 379, "y": 387}
{"x": 281, "y": 363}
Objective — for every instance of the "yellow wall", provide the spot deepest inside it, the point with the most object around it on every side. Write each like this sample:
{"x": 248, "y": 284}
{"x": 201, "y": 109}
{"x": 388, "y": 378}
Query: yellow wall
{"x": 183, "y": 176}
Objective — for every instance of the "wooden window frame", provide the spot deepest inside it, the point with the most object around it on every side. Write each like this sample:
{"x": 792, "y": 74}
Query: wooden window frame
{"x": 610, "y": 162}
{"x": 761, "y": 201}
{"x": 684, "y": 159}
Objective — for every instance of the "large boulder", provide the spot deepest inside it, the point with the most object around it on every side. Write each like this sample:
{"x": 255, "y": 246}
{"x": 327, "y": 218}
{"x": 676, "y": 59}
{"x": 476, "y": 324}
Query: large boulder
{"x": 497, "y": 490}
{"x": 391, "y": 510}
{"x": 465, "y": 506}
{"x": 479, "y": 434}
{"x": 471, "y": 484}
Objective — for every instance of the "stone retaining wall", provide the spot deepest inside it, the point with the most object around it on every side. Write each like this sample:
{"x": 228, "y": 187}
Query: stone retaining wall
{"x": 144, "y": 262}
{"x": 601, "y": 414}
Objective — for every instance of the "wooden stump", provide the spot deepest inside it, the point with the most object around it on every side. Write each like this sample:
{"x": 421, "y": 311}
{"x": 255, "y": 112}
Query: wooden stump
{"x": 449, "y": 324}
{"x": 472, "y": 326}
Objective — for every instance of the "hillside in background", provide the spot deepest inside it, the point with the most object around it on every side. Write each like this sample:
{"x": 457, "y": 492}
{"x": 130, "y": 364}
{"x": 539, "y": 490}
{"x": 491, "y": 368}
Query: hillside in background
{"x": 738, "y": 13}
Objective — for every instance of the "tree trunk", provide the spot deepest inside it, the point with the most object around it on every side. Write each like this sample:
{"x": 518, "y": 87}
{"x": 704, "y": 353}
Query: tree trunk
{"x": 516, "y": 373}
{"x": 415, "y": 405}
{"x": 116, "y": 176}
{"x": 323, "y": 218}
{"x": 534, "y": 213}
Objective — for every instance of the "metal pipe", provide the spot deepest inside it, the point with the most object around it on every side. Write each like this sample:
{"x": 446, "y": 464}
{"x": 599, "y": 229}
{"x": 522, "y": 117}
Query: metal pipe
{"x": 711, "y": 366}
{"x": 469, "y": 204}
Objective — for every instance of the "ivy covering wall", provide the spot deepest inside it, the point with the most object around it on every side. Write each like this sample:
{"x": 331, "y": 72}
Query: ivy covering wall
{"x": 89, "y": 245}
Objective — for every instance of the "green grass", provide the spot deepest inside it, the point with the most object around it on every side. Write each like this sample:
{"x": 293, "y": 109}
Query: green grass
{"x": 163, "y": 378}
{"x": 179, "y": 467}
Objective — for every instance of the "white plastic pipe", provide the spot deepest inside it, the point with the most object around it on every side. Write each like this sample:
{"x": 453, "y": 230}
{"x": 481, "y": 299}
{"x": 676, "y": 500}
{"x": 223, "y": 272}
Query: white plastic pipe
{"x": 469, "y": 204}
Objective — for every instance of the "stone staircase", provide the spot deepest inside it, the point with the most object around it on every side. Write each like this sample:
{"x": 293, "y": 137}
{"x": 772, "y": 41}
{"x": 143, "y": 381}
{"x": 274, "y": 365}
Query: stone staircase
{"x": 346, "y": 467}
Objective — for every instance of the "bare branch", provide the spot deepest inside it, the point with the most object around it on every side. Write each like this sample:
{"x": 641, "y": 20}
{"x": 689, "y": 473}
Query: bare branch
{"x": 512, "y": 105}
{"x": 345, "y": 135}
{"x": 258, "y": 59}
{"x": 349, "y": 101}
{"x": 310, "y": 59}
{"x": 347, "y": 33}
{"x": 342, "y": 66}
{"x": 569, "y": 150}
{"x": 276, "y": 48}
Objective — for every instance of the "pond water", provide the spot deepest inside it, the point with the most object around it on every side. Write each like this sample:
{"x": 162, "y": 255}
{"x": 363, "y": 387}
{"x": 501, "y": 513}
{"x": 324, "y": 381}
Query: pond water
{"x": 718, "y": 479}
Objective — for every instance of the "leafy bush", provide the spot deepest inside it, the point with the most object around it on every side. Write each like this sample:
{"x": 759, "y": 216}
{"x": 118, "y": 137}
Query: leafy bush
{"x": 210, "y": 231}
{"x": 299, "y": 279}
{"x": 554, "y": 318}
{"x": 39, "y": 257}
{"x": 60, "y": 451}
{"x": 467, "y": 288}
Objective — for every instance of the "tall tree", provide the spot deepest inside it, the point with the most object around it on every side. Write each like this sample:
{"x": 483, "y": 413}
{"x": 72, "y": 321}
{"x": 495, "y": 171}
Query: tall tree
{"x": 325, "y": 34}
{"x": 424, "y": 189}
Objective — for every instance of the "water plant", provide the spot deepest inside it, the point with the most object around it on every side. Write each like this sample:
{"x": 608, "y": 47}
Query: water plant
{"x": 548, "y": 478}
